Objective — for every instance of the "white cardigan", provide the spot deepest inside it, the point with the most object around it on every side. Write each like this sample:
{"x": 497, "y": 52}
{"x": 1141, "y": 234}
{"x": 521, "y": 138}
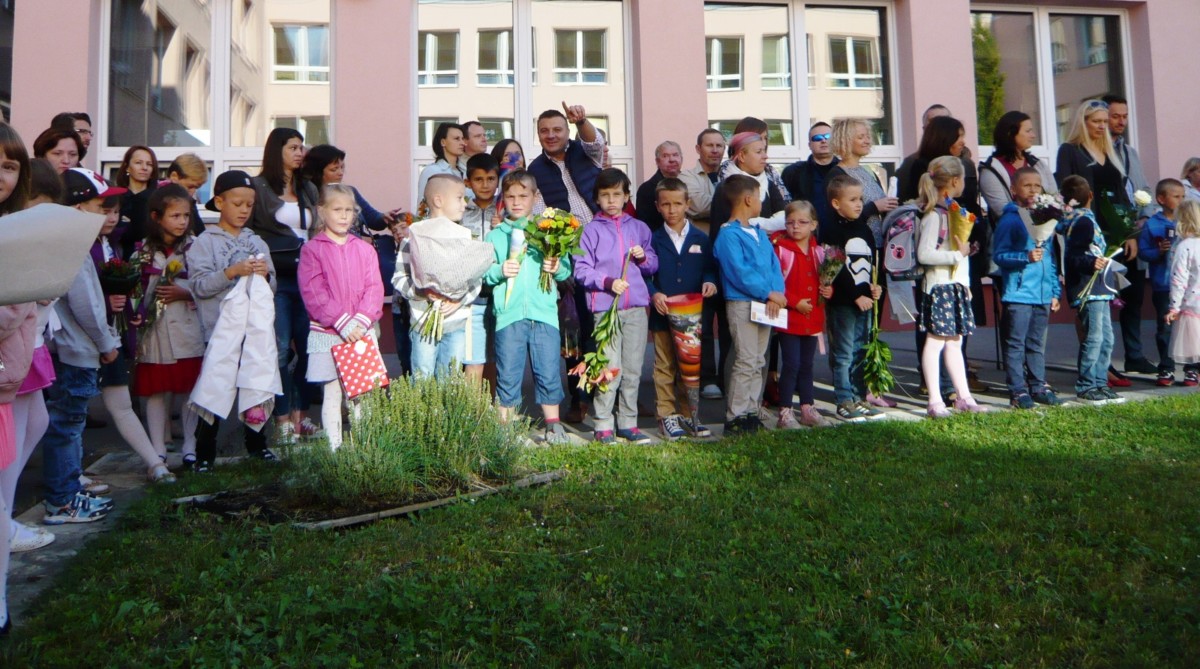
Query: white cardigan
{"x": 942, "y": 262}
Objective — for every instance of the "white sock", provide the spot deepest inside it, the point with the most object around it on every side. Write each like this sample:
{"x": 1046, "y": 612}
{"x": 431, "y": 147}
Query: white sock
{"x": 956, "y": 368}
{"x": 158, "y": 420}
{"x": 331, "y": 413}
{"x": 929, "y": 364}
{"x": 189, "y": 418}
{"x": 120, "y": 408}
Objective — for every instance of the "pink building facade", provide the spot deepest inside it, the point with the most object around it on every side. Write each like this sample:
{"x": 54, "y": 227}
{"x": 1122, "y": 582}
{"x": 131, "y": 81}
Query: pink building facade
{"x": 375, "y": 76}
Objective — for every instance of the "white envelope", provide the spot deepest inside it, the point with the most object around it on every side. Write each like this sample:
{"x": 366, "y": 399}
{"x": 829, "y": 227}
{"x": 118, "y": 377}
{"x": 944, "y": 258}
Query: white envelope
{"x": 758, "y": 314}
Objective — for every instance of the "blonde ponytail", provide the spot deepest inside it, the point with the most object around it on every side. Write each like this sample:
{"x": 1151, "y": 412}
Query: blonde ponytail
{"x": 942, "y": 171}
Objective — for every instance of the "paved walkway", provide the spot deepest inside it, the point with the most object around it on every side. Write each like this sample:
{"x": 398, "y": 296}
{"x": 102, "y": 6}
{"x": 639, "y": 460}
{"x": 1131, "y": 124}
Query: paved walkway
{"x": 110, "y": 459}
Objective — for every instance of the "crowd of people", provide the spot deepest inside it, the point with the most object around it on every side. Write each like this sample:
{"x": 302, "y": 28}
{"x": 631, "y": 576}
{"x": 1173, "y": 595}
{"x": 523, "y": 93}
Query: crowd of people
{"x": 249, "y": 309}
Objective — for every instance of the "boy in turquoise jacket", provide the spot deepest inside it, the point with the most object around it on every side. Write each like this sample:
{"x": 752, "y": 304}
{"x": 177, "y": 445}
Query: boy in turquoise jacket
{"x": 526, "y": 316}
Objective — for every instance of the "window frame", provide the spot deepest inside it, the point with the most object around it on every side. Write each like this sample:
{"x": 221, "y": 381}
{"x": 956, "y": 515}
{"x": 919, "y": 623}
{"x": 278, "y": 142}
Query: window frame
{"x": 580, "y": 70}
{"x": 505, "y": 53}
{"x": 715, "y": 57}
{"x": 782, "y": 57}
{"x": 1047, "y": 146}
{"x": 300, "y": 70}
{"x": 422, "y": 68}
{"x": 852, "y": 77}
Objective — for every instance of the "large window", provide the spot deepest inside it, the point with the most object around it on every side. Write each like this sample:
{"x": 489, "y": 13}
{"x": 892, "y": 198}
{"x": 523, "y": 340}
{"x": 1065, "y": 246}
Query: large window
{"x": 1045, "y": 63}
{"x": 724, "y": 57}
{"x": 301, "y": 54}
{"x": 776, "y": 69}
{"x": 437, "y": 59}
{"x": 579, "y": 57}
{"x": 495, "y": 58}
{"x": 854, "y": 62}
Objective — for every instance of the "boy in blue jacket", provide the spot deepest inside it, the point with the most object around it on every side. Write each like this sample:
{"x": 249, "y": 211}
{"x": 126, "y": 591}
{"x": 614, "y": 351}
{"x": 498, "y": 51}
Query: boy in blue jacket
{"x": 1031, "y": 292}
{"x": 1154, "y": 246}
{"x": 749, "y": 272}
{"x": 685, "y": 265}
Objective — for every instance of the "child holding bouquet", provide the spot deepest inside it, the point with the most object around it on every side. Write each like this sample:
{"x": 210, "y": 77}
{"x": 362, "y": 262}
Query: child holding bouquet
{"x": 1184, "y": 312}
{"x": 526, "y": 315}
{"x": 617, "y": 258}
{"x": 170, "y": 340}
{"x": 342, "y": 292}
{"x": 946, "y": 316}
{"x": 799, "y": 261}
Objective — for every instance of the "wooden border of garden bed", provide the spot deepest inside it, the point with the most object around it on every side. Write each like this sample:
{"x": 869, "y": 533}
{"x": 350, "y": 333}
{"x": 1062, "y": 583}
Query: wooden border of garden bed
{"x": 349, "y": 521}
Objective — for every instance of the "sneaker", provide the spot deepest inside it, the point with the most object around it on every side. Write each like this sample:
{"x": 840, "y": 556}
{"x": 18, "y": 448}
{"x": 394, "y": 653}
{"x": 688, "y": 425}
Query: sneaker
{"x": 1113, "y": 398}
{"x": 1165, "y": 379}
{"x": 694, "y": 427}
{"x": 94, "y": 486}
{"x": 1022, "y": 401}
{"x": 1191, "y": 378}
{"x": 1094, "y": 397}
{"x": 285, "y": 434}
{"x": 24, "y": 538}
{"x": 307, "y": 429}
{"x": 1140, "y": 366}
{"x": 266, "y": 455}
{"x": 1048, "y": 398}
{"x": 850, "y": 412}
{"x": 869, "y": 411}
{"x": 711, "y": 392}
{"x": 809, "y": 417}
{"x": 202, "y": 467}
{"x": 555, "y": 435}
{"x": 604, "y": 436}
{"x": 160, "y": 474}
{"x": 881, "y": 402}
{"x": 81, "y": 509}
{"x": 751, "y": 423}
{"x": 787, "y": 420}
{"x": 735, "y": 427}
{"x": 670, "y": 428}
{"x": 936, "y": 411}
{"x": 1117, "y": 379}
{"x": 634, "y": 436}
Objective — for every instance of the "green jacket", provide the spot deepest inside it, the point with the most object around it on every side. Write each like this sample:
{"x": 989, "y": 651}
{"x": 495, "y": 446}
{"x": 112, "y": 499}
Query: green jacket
{"x": 528, "y": 301}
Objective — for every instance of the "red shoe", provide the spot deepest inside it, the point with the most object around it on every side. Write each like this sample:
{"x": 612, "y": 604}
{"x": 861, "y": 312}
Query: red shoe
{"x": 1115, "y": 381}
{"x": 1191, "y": 378}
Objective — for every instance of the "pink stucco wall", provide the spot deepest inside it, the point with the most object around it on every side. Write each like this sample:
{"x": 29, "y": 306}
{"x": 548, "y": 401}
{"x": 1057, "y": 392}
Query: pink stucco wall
{"x": 924, "y": 65}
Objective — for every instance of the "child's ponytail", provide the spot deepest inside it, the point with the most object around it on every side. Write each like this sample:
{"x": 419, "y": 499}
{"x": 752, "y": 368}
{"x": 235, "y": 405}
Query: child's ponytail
{"x": 1187, "y": 222}
{"x": 942, "y": 171}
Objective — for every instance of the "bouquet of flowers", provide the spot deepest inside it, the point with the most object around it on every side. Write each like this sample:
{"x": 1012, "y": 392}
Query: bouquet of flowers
{"x": 831, "y": 260}
{"x": 961, "y": 222}
{"x": 448, "y": 265}
{"x": 595, "y": 372}
{"x": 173, "y": 270}
{"x": 556, "y": 234}
{"x": 1042, "y": 217}
{"x": 877, "y": 374}
{"x": 1119, "y": 221}
{"x": 119, "y": 277}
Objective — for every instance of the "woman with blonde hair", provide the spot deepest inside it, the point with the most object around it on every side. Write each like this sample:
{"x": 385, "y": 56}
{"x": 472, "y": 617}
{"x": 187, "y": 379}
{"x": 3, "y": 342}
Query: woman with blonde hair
{"x": 1088, "y": 152}
{"x": 190, "y": 171}
{"x": 851, "y": 141}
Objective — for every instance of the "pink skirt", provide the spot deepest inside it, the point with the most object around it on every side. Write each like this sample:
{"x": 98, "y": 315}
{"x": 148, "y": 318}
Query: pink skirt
{"x": 41, "y": 372}
{"x": 1185, "y": 339}
{"x": 8, "y": 436}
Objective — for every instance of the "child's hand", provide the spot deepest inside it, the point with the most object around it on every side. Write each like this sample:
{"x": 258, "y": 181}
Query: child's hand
{"x": 510, "y": 268}
{"x": 876, "y": 291}
{"x": 1055, "y": 305}
{"x": 886, "y": 204}
{"x": 449, "y": 307}
{"x": 964, "y": 248}
{"x": 1164, "y": 245}
{"x": 778, "y": 298}
{"x": 1131, "y": 249}
{"x": 1100, "y": 263}
{"x": 864, "y": 303}
{"x": 619, "y": 286}
{"x": 258, "y": 266}
{"x": 660, "y": 303}
{"x": 1036, "y": 255}
{"x": 106, "y": 358}
{"x": 137, "y": 321}
{"x": 243, "y": 268}
{"x": 826, "y": 292}
{"x": 117, "y": 302}
{"x": 550, "y": 265}
{"x": 1172, "y": 316}
{"x": 772, "y": 309}
{"x": 804, "y": 306}
{"x": 708, "y": 289}
{"x": 356, "y": 334}
{"x": 169, "y": 294}
{"x": 637, "y": 253}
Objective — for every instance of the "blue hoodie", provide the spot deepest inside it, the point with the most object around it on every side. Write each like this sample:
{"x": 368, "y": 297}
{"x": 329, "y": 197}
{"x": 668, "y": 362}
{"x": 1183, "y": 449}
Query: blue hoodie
{"x": 1024, "y": 282}
{"x": 1157, "y": 227}
{"x": 749, "y": 267}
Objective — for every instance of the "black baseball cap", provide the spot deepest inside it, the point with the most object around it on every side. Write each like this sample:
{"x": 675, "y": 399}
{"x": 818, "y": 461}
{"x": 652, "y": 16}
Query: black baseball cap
{"x": 228, "y": 181}
{"x": 83, "y": 185}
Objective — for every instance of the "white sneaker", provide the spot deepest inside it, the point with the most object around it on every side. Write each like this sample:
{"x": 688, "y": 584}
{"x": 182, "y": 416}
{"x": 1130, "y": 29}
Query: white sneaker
{"x": 25, "y": 538}
{"x": 285, "y": 434}
{"x": 94, "y": 486}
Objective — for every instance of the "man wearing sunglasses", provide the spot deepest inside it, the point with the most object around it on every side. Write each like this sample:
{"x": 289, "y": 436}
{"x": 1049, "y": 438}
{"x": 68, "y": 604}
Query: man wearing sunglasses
{"x": 805, "y": 179}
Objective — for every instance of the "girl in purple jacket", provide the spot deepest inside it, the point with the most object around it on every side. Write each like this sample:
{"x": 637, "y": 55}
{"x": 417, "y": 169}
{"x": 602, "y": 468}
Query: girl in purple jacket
{"x": 607, "y": 241}
{"x": 342, "y": 291}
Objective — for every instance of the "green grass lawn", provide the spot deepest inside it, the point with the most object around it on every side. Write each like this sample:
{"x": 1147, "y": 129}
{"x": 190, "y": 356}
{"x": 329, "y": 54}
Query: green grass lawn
{"x": 1068, "y": 538}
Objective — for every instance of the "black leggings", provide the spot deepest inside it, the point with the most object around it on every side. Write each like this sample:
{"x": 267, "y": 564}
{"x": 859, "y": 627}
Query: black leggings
{"x": 796, "y": 371}
{"x": 206, "y": 440}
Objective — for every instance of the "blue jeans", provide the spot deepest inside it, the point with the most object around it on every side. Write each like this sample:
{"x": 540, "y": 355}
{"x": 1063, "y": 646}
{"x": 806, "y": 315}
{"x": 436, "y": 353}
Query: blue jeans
{"x": 434, "y": 359}
{"x": 849, "y": 327}
{"x": 1095, "y": 351}
{"x": 62, "y": 445}
{"x": 1025, "y": 346}
{"x": 537, "y": 342}
{"x": 291, "y": 327}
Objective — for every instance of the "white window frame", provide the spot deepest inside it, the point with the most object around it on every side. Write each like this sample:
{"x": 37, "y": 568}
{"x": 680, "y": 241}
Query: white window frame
{"x": 429, "y": 70}
{"x": 782, "y": 58}
{"x": 304, "y": 71}
{"x": 302, "y": 123}
{"x": 852, "y": 77}
{"x": 218, "y": 154}
{"x": 580, "y": 71}
{"x": 1047, "y": 148}
{"x": 503, "y": 53}
{"x": 714, "y": 74}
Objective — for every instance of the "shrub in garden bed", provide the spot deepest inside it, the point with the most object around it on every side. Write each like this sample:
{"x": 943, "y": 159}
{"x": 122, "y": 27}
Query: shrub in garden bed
{"x": 416, "y": 439}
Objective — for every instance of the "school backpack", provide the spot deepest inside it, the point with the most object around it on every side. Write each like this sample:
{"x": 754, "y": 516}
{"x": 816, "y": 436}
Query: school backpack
{"x": 900, "y": 231}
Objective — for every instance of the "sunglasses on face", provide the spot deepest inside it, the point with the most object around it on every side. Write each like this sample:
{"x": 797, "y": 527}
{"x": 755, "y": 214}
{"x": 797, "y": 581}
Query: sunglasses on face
{"x": 823, "y": 137}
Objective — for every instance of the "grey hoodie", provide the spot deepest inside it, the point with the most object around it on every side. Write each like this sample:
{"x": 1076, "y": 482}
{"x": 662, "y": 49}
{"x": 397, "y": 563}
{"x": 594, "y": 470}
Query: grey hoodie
{"x": 207, "y": 259}
{"x": 85, "y": 330}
